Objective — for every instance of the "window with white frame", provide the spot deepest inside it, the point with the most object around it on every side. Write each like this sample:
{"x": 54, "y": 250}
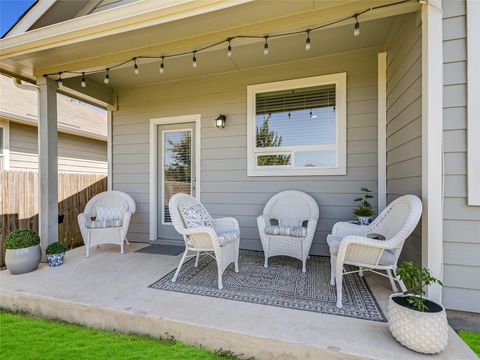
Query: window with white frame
{"x": 297, "y": 127}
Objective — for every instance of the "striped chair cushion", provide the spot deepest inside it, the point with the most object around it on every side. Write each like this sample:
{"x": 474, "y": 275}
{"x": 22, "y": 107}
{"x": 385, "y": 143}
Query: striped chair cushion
{"x": 295, "y": 231}
{"x": 103, "y": 224}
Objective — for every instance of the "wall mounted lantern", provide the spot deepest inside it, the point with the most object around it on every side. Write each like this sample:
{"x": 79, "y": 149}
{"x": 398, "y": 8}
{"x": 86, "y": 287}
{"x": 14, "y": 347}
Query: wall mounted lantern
{"x": 220, "y": 121}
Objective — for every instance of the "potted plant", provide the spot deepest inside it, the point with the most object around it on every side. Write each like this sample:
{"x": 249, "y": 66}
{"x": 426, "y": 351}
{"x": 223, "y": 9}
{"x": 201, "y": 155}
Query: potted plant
{"x": 364, "y": 210}
{"x": 23, "y": 253}
{"x": 55, "y": 254}
{"x": 416, "y": 322}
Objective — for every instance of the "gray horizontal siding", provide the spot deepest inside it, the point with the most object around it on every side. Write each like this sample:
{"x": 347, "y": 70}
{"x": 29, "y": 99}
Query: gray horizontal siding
{"x": 226, "y": 190}
{"x": 404, "y": 118}
{"x": 75, "y": 153}
{"x": 461, "y": 222}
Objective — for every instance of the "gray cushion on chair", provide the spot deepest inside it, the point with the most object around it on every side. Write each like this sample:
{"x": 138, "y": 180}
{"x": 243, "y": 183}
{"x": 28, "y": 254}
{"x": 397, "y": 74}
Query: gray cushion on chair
{"x": 295, "y": 231}
{"x": 386, "y": 259}
{"x": 226, "y": 237}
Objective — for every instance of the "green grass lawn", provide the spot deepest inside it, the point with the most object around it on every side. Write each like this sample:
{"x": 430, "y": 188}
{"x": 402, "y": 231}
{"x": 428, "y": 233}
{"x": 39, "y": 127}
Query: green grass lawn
{"x": 472, "y": 339}
{"x": 26, "y": 337}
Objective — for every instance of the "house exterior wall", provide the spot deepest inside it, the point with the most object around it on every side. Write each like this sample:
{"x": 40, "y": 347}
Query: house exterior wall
{"x": 461, "y": 225}
{"x": 404, "y": 118}
{"x": 225, "y": 188}
{"x": 75, "y": 153}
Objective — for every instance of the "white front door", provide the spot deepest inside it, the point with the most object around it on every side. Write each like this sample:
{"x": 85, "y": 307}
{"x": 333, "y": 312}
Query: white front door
{"x": 176, "y": 172}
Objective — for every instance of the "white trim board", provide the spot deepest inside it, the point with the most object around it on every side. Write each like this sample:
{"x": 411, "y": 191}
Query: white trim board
{"x": 5, "y": 124}
{"x": 382, "y": 131}
{"x": 432, "y": 138}
{"x": 153, "y": 161}
{"x": 473, "y": 97}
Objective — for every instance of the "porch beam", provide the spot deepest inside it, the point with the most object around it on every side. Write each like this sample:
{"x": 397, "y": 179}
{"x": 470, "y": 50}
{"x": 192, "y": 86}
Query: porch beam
{"x": 432, "y": 135}
{"x": 47, "y": 163}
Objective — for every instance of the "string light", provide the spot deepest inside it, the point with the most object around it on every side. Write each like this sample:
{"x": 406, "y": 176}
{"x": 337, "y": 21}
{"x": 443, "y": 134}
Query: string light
{"x": 265, "y": 46}
{"x": 229, "y": 48}
{"x": 308, "y": 44}
{"x": 107, "y": 77}
{"x": 162, "y": 65}
{"x": 356, "y": 30}
{"x": 228, "y": 41}
{"x": 194, "y": 60}
{"x": 136, "y": 70}
{"x": 312, "y": 115}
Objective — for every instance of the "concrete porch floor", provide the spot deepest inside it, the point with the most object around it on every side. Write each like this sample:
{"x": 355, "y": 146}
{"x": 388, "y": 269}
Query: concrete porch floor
{"x": 109, "y": 291}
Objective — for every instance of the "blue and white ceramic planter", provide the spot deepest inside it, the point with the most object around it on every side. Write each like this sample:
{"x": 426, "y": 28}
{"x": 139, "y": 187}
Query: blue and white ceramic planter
{"x": 365, "y": 220}
{"x": 55, "y": 259}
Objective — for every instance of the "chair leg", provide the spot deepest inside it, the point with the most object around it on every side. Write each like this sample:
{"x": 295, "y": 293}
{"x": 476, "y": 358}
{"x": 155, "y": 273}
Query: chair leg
{"x": 197, "y": 258}
{"x": 392, "y": 280}
{"x": 304, "y": 265}
{"x": 180, "y": 265}
{"x": 333, "y": 266}
{"x": 87, "y": 246}
{"x": 265, "y": 265}
{"x": 121, "y": 248}
{"x": 220, "y": 281}
{"x": 339, "y": 279}
{"x": 360, "y": 271}
{"x": 128, "y": 242}
{"x": 237, "y": 246}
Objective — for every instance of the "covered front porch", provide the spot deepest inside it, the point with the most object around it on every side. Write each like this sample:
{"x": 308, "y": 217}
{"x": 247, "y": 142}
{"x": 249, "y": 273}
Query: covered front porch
{"x": 110, "y": 291}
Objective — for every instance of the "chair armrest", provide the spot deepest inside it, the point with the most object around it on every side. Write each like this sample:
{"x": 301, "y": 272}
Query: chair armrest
{"x": 82, "y": 219}
{"x": 261, "y": 222}
{"x": 226, "y": 224}
{"x": 126, "y": 218}
{"x": 200, "y": 230}
{"x": 345, "y": 229}
{"x": 365, "y": 248}
{"x": 311, "y": 225}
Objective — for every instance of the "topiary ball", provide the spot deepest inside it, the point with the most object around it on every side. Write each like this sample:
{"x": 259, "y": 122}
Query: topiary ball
{"x": 19, "y": 239}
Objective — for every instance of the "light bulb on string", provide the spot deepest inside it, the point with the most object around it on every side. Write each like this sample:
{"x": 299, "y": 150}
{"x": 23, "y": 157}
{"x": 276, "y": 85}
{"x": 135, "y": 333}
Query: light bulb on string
{"x": 162, "y": 65}
{"x": 229, "y": 48}
{"x": 83, "y": 82}
{"x": 265, "y": 46}
{"x": 106, "y": 80}
{"x": 194, "y": 59}
{"x": 59, "y": 81}
{"x": 356, "y": 30}
{"x": 308, "y": 43}
{"x": 136, "y": 70}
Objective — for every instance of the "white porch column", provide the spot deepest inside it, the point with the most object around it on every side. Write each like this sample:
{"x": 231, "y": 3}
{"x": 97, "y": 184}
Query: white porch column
{"x": 432, "y": 135}
{"x": 47, "y": 163}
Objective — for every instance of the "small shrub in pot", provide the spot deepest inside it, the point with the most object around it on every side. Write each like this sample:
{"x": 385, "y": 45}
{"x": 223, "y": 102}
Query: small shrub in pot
{"x": 55, "y": 254}
{"x": 364, "y": 211}
{"x": 415, "y": 321}
{"x": 23, "y": 253}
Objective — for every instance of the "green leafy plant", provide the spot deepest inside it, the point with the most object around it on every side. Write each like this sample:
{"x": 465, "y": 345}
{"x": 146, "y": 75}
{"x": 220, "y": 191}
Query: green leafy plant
{"x": 364, "y": 207}
{"x": 55, "y": 248}
{"x": 19, "y": 239}
{"x": 415, "y": 280}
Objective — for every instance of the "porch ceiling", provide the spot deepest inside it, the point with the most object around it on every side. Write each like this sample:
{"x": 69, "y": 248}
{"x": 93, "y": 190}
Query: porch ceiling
{"x": 67, "y": 46}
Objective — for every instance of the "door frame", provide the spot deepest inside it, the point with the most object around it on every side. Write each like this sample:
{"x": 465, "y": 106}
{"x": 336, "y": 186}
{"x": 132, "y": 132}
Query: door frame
{"x": 154, "y": 124}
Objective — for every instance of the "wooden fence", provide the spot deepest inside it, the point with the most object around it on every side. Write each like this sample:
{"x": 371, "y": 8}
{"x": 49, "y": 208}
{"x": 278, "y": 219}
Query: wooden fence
{"x": 19, "y": 202}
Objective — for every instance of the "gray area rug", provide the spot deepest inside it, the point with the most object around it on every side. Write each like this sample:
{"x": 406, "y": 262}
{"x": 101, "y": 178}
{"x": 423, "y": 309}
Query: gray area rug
{"x": 159, "y": 249}
{"x": 283, "y": 284}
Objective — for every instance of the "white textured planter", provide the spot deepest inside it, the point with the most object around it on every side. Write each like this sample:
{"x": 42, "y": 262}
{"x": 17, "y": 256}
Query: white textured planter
{"x": 21, "y": 261}
{"x": 424, "y": 332}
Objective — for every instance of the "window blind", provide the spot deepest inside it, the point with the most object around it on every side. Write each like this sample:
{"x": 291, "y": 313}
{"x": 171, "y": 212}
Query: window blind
{"x": 296, "y": 99}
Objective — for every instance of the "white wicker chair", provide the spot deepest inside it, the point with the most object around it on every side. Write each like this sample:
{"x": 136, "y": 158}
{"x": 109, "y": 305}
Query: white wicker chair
{"x": 107, "y": 235}
{"x": 353, "y": 244}
{"x": 289, "y": 208}
{"x": 205, "y": 240}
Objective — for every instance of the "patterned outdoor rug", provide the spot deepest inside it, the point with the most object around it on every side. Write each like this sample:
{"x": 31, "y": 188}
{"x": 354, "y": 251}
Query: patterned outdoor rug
{"x": 283, "y": 284}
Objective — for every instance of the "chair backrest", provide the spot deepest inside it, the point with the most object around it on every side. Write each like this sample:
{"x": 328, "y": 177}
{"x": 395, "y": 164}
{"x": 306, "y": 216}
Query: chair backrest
{"x": 110, "y": 199}
{"x": 291, "y": 208}
{"x": 398, "y": 220}
{"x": 176, "y": 202}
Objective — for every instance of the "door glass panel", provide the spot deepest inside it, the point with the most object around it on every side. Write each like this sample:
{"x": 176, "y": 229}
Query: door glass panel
{"x": 177, "y": 166}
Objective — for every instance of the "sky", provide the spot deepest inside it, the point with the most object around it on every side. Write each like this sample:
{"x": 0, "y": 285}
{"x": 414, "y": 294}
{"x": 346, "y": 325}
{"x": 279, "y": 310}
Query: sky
{"x": 10, "y": 11}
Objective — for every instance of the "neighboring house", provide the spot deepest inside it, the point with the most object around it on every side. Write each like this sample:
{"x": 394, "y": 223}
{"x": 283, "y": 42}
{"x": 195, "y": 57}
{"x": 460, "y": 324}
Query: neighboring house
{"x": 82, "y": 132}
{"x": 351, "y": 111}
